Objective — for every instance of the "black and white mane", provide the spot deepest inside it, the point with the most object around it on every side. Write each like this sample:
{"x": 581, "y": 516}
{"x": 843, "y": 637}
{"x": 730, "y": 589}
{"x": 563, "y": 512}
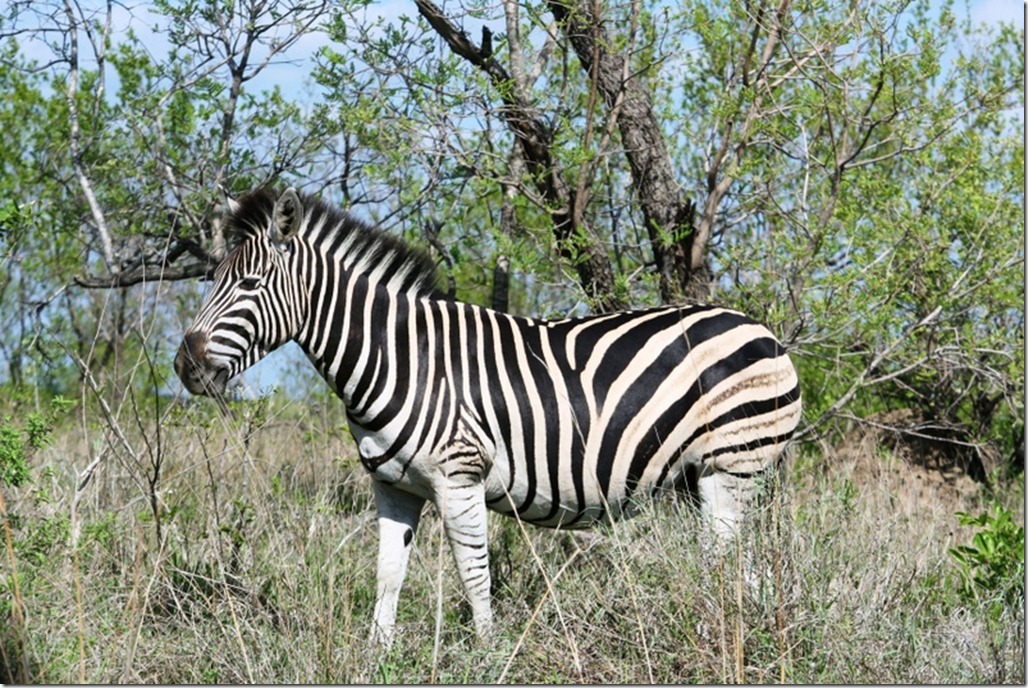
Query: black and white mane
{"x": 359, "y": 245}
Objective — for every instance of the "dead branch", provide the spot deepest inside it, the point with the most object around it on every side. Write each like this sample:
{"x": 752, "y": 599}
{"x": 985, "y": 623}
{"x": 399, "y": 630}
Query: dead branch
{"x": 148, "y": 273}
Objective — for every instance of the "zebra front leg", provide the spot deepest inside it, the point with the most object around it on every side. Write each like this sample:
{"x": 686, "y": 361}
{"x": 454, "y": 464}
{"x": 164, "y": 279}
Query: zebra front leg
{"x": 398, "y": 516}
{"x": 464, "y": 520}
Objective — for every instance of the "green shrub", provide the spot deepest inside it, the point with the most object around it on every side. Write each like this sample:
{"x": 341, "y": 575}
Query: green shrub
{"x": 17, "y": 441}
{"x": 993, "y": 564}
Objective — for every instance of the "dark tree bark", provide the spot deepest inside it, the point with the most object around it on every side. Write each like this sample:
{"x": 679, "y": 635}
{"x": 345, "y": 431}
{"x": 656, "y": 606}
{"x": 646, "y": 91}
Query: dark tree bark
{"x": 152, "y": 273}
{"x": 576, "y": 242}
{"x": 668, "y": 215}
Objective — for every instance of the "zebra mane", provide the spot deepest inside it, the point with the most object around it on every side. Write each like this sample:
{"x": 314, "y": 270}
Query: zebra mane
{"x": 358, "y": 245}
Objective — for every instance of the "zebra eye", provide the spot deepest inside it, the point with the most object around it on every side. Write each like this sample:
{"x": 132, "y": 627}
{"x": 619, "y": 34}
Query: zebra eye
{"x": 249, "y": 283}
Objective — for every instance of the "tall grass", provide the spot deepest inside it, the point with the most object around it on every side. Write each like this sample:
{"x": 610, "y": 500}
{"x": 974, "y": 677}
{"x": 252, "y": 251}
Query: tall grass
{"x": 241, "y": 548}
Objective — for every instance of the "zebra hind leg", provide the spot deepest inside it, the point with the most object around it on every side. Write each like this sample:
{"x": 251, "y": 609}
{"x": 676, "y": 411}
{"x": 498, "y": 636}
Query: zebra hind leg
{"x": 398, "y": 515}
{"x": 727, "y": 502}
{"x": 724, "y": 500}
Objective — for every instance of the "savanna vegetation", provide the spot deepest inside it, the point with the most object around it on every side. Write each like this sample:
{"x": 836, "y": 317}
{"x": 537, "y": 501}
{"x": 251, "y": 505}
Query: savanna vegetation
{"x": 851, "y": 174}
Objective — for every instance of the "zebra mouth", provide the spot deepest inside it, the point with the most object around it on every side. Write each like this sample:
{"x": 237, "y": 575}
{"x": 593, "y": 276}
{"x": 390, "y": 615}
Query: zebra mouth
{"x": 211, "y": 383}
{"x": 204, "y": 380}
{"x": 214, "y": 385}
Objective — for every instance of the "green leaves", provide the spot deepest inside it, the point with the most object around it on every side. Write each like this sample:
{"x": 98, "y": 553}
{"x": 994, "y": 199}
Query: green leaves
{"x": 860, "y": 170}
{"x": 19, "y": 439}
{"x": 993, "y": 564}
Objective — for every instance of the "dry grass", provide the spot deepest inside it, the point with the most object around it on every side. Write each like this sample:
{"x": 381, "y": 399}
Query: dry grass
{"x": 258, "y": 566}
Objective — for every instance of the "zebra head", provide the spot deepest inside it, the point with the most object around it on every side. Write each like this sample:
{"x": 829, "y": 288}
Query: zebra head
{"x": 254, "y": 304}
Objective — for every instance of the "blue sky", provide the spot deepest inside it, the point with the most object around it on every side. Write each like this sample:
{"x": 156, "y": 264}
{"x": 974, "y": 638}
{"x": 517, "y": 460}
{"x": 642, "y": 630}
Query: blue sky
{"x": 140, "y": 19}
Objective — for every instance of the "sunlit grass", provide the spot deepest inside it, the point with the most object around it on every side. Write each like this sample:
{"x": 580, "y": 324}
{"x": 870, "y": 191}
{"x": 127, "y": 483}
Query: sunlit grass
{"x": 264, "y": 572}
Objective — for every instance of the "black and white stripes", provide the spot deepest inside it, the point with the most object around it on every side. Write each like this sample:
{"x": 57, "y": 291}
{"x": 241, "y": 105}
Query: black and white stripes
{"x": 563, "y": 423}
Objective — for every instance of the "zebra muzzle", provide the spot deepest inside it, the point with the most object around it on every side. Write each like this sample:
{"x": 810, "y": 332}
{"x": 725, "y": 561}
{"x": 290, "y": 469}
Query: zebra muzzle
{"x": 193, "y": 366}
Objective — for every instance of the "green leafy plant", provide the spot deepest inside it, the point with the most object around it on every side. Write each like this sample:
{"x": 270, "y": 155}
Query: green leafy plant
{"x": 993, "y": 564}
{"x": 17, "y": 441}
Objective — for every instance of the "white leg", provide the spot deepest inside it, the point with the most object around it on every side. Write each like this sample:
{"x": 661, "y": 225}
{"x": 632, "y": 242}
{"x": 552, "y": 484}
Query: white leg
{"x": 724, "y": 499}
{"x": 464, "y": 519}
{"x": 398, "y": 516}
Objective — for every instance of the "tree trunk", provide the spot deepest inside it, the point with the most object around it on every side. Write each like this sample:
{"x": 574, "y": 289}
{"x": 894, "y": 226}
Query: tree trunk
{"x": 576, "y": 241}
{"x": 667, "y": 214}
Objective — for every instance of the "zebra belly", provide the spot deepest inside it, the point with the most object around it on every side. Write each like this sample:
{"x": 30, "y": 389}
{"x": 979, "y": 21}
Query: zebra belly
{"x": 564, "y": 506}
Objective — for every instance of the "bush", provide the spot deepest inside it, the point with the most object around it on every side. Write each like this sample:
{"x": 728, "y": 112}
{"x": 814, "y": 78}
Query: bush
{"x": 993, "y": 564}
{"x": 17, "y": 441}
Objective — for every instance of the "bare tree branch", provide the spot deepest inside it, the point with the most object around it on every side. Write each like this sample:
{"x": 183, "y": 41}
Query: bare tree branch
{"x": 148, "y": 273}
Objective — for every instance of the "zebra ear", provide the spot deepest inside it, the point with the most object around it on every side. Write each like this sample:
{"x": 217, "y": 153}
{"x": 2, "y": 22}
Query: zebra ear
{"x": 229, "y": 205}
{"x": 288, "y": 213}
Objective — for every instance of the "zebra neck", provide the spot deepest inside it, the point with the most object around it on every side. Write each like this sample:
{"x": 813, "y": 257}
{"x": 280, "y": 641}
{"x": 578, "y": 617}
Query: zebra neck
{"x": 362, "y": 343}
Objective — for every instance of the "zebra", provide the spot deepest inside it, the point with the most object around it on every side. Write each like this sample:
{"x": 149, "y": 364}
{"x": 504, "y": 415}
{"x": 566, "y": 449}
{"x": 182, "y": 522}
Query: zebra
{"x": 558, "y": 423}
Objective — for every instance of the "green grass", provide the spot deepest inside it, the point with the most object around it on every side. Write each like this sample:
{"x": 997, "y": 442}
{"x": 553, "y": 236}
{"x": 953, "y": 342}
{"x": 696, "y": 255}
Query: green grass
{"x": 262, "y": 570}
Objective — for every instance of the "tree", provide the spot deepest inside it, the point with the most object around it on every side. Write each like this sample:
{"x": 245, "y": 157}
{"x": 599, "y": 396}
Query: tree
{"x": 119, "y": 154}
{"x": 851, "y": 173}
